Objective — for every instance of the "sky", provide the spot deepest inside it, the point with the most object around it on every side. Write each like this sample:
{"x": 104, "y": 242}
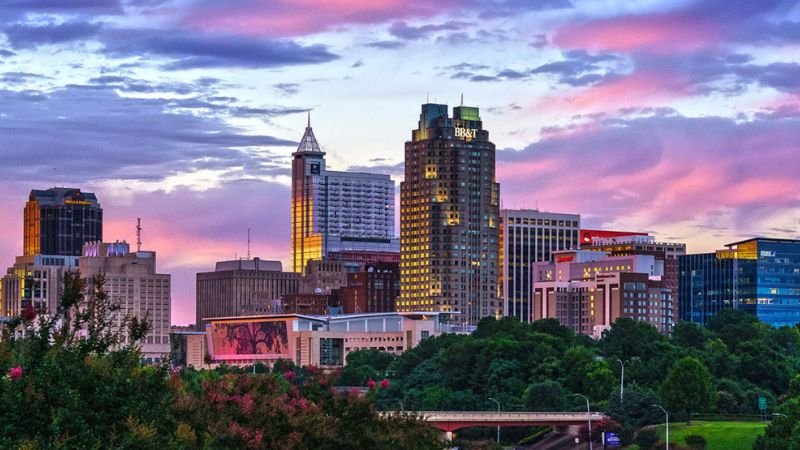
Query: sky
{"x": 679, "y": 118}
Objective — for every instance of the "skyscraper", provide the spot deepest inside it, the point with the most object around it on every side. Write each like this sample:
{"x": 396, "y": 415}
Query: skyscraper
{"x": 530, "y": 236}
{"x": 449, "y": 217}
{"x": 337, "y": 211}
{"x": 59, "y": 221}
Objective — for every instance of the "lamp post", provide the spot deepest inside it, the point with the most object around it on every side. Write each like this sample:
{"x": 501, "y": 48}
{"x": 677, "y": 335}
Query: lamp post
{"x": 498, "y": 426}
{"x": 667, "y": 422}
{"x": 588, "y": 417}
{"x": 621, "y": 381}
{"x": 402, "y": 408}
{"x": 780, "y": 415}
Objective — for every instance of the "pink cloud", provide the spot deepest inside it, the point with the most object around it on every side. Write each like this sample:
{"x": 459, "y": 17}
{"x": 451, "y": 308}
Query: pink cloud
{"x": 302, "y": 17}
{"x": 667, "y": 33}
{"x": 639, "y": 89}
{"x": 661, "y": 172}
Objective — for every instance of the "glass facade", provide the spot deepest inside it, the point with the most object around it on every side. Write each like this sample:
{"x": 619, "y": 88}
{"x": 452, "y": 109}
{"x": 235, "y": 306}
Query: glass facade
{"x": 760, "y": 276}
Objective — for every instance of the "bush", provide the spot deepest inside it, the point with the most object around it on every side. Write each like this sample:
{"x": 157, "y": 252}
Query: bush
{"x": 646, "y": 438}
{"x": 695, "y": 442}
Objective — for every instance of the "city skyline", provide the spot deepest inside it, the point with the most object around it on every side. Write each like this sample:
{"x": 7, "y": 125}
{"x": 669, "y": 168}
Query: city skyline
{"x": 677, "y": 118}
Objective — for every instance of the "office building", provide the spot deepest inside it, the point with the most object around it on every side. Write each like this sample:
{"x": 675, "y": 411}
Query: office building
{"x": 588, "y": 290}
{"x": 236, "y": 285}
{"x": 133, "y": 284}
{"x": 449, "y": 218}
{"x": 372, "y": 290}
{"x": 337, "y": 211}
{"x": 58, "y": 221}
{"x": 529, "y": 236}
{"x": 587, "y": 236}
{"x": 760, "y": 276}
{"x": 35, "y": 280}
{"x": 666, "y": 253}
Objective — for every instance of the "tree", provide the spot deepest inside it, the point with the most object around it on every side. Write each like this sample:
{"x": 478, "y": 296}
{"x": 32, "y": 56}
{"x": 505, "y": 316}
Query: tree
{"x": 545, "y": 396}
{"x": 688, "y": 387}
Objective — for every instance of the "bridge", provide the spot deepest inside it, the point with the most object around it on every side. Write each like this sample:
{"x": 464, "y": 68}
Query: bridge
{"x": 449, "y": 421}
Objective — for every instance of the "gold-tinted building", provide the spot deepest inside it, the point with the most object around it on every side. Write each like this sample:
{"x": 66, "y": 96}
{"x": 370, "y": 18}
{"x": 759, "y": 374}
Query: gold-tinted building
{"x": 449, "y": 210}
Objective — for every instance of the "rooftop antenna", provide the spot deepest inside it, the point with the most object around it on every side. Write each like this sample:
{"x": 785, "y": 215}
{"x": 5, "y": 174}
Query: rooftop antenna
{"x": 138, "y": 234}
{"x": 248, "y": 244}
{"x": 462, "y": 99}
{"x": 309, "y": 118}
{"x": 427, "y": 97}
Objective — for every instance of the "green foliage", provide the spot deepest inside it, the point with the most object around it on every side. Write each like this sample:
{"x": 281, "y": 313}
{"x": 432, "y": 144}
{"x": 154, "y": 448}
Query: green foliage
{"x": 784, "y": 430}
{"x": 688, "y": 387}
{"x": 695, "y": 442}
{"x": 67, "y": 392}
{"x": 646, "y": 438}
{"x": 545, "y": 396}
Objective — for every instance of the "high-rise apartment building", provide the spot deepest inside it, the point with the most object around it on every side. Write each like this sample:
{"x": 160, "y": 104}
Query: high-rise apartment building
{"x": 760, "y": 276}
{"x": 529, "y": 236}
{"x": 336, "y": 211}
{"x": 449, "y": 217}
{"x": 132, "y": 283}
{"x": 58, "y": 221}
{"x": 239, "y": 286}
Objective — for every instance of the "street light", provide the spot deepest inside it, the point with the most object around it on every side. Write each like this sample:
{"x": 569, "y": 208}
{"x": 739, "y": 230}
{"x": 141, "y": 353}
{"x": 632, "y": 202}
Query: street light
{"x": 589, "y": 418}
{"x": 498, "y": 426}
{"x": 402, "y": 409}
{"x": 780, "y": 415}
{"x": 621, "y": 381}
{"x": 667, "y": 422}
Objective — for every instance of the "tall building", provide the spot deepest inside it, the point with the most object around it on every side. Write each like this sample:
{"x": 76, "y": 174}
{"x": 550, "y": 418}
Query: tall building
{"x": 132, "y": 282}
{"x": 35, "y": 280}
{"x": 336, "y": 211}
{"x": 529, "y": 236}
{"x": 588, "y": 290}
{"x": 666, "y": 253}
{"x": 59, "y": 221}
{"x": 241, "y": 285}
{"x": 759, "y": 275}
{"x": 449, "y": 217}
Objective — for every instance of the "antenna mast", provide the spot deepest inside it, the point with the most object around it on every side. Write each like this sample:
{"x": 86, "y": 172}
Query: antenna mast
{"x": 248, "y": 244}
{"x": 138, "y": 234}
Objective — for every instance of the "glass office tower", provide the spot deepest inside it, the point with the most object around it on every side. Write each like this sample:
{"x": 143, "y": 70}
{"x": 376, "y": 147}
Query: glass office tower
{"x": 760, "y": 276}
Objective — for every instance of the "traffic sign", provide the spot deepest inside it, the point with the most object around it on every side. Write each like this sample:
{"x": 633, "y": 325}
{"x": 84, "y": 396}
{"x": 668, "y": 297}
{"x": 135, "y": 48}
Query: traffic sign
{"x": 762, "y": 403}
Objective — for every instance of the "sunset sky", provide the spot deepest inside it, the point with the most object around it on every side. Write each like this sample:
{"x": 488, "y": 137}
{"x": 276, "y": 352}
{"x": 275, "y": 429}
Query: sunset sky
{"x": 679, "y": 118}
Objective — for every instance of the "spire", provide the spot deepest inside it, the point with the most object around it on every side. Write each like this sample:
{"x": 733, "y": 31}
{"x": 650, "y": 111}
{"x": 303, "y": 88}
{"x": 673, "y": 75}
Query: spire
{"x": 309, "y": 143}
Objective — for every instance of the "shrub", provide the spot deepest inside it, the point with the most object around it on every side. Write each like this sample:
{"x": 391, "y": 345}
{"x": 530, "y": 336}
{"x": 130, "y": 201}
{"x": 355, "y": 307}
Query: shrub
{"x": 696, "y": 442}
{"x": 646, "y": 438}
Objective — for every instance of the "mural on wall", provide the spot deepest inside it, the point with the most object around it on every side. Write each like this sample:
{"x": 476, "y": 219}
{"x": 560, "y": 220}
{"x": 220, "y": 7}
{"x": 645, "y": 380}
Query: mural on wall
{"x": 251, "y": 338}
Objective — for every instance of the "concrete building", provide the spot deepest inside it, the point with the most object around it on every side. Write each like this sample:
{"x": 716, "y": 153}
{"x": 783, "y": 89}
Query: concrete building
{"x": 528, "y": 236}
{"x": 237, "y": 285}
{"x": 337, "y": 211}
{"x": 449, "y": 221}
{"x": 35, "y": 280}
{"x": 323, "y": 276}
{"x": 759, "y": 275}
{"x": 58, "y": 221}
{"x": 132, "y": 282}
{"x": 665, "y": 252}
{"x": 588, "y": 236}
{"x": 588, "y": 290}
{"x": 312, "y": 340}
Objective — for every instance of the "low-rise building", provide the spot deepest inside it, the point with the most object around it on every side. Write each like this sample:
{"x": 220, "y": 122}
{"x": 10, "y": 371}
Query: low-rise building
{"x": 312, "y": 340}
